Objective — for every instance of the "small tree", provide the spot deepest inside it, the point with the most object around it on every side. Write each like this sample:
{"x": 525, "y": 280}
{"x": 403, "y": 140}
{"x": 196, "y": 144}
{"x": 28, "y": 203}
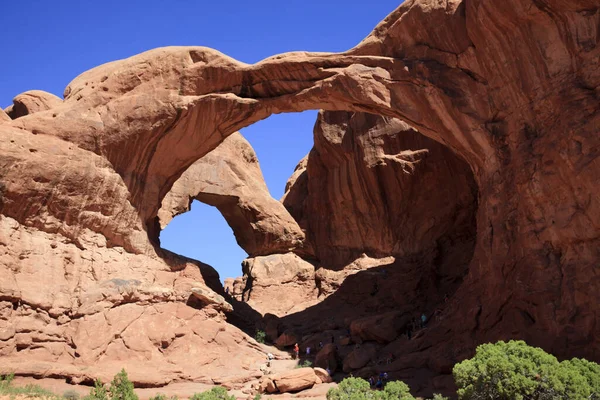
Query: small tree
{"x": 260, "y": 336}
{"x": 98, "y": 392}
{"x": 351, "y": 389}
{"x": 121, "y": 387}
{"x": 396, "y": 390}
{"x": 516, "y": 371}
{"x": 359, "y": 389}
{"x": 6, "y": 380}
{"x": 216, "y": 393}
{"x": 305, "y": 364}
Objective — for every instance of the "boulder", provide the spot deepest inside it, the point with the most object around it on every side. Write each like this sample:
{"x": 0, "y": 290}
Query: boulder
{"x": 287, "y": 338}
{"x": 210, "y": 298}
{"x": 327, "y": 357}
{"x": 280, "y": 284}
{"x": 295, "y": 380}
{"x": 323, "y": 375}
{"x": 382, "y": 328}
{"x": 359, "y": 357}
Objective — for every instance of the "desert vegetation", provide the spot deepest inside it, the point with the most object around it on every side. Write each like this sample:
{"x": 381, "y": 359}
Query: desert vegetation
{"x": 501, "y": 371}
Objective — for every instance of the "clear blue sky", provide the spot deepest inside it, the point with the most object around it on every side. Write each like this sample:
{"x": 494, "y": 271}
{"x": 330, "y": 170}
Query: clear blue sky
{"x": 48, "y": 43}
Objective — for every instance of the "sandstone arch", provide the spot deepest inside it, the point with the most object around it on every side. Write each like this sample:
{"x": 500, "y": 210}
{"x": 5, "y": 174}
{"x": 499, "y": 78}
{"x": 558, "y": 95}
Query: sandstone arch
{"x": 512, "y": 87}
{"x": 230, "y": 179}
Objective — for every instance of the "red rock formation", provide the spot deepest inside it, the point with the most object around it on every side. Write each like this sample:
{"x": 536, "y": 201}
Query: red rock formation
{"x": 511, "y": 87}
{"x": 31, "y": 102}
{"x": 4, "y": 116}
{"x": 230, "y": 179}
{"x": 292, "y": 381}
{"x": 374, "y": 185}
{"x": 279, "y": 284}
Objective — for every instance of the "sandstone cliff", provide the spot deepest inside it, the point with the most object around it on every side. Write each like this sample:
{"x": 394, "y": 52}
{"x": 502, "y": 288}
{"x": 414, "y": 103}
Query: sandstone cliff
{"x": 510, "y": 87}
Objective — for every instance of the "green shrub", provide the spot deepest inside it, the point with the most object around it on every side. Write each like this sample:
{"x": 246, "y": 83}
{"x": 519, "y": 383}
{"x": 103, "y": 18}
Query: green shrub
{"x": 351, "y": 388}
{"x": 6, "y": 380}
{"x": 6, "y": 389}
{"x": 359, "y": 389}
{"x": 159, "y": 396}
{"x": 98, "y": 392}
{"x": 216, "y": 393}
{"x": 71, "y": 395}
{"x": 396, "y": 390}
{"x": 514, "y": 370}
{"x": 260, "y": 336}
{"x": 305, "y": 364}
{"x": 258, "y": 396}
{"x": 437, "y": 396}
{"x": 121, "y": 387}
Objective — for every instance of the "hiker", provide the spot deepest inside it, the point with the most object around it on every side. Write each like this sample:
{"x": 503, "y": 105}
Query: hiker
{"x": 227, "y": 290}
{"x": 379, "y": 384}
{"x": 320, "y": 345}
{"x": 308, "y": 350}
{"x": 269, "y": 358}
{"x": 297, "y": 351}
{"x": 371, "y": 381}
{"x": 423, "y": 320}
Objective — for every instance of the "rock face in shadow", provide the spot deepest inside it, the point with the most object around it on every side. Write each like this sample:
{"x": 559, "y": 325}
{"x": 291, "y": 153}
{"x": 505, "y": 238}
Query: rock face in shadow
{"x": 375, "y": 186}
{"x": 511, "y": 87}
{"x": 230, "y": 179}
{"x": 372, "y": 192}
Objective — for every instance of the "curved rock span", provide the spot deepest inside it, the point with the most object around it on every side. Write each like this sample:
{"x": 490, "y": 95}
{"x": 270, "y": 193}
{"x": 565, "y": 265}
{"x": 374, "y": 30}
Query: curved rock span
{"x": 507, "y": 95}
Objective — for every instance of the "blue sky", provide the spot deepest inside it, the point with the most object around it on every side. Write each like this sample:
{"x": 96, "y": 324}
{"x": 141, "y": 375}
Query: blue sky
{"x": 48, "y": 43}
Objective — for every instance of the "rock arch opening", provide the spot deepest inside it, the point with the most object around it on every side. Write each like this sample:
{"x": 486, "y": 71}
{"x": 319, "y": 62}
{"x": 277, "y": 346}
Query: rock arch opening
{"x": 129, "y": 129}
{"x": 384, "y": 221}
{"x": 229, "y": 201}
{"x": 203, "y": 234}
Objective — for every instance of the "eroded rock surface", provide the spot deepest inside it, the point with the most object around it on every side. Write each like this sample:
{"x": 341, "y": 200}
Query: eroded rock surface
{"x": 511, "y": 87}
{"x": 374, "y": 185}
{"x": 230, "y": 179}
{"x": 279, "y": 284}
{"x": 31, "y": 102}
{"x": 4, "y": 116}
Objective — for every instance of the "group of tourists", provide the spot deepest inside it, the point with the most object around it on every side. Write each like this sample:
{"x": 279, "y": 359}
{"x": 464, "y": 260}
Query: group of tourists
{"x": 378, "y": 382}
{"x": 415, "y": 324}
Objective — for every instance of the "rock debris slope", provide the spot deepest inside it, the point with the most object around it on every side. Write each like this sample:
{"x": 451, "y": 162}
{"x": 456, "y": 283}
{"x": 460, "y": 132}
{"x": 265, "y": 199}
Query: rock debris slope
{"x": 510, "y": 87}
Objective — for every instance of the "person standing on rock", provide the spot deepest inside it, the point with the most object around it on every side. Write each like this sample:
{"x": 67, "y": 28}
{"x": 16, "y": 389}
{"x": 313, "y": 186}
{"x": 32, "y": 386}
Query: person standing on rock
{"x": 297, "y": 351}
